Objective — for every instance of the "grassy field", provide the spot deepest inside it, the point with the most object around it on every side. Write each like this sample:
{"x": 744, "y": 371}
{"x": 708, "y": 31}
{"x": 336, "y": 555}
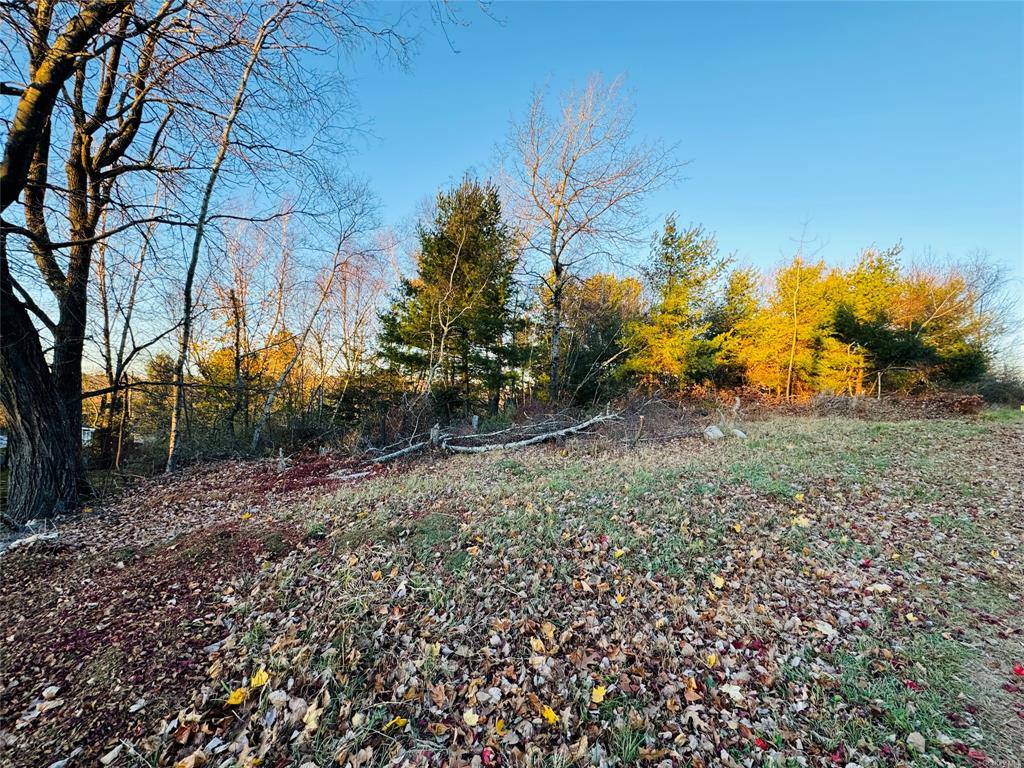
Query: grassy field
{"x": 827, "y": 592}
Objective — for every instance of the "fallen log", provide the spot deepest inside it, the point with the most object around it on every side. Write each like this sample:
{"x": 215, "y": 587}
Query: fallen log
{"x": 536, "y": 439}
{"x": 398, "y": 454}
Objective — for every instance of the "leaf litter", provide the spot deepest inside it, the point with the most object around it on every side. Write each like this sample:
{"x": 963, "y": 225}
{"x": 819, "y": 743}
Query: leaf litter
{"x": 817, "y": 596}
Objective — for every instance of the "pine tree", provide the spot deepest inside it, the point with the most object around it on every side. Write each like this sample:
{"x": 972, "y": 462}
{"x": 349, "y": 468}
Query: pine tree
{"x": 673, "y": 343}
{"x": 452, "y": 325}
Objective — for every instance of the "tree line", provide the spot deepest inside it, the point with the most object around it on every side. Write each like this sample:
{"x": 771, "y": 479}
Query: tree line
{"x": 186, "y": 267}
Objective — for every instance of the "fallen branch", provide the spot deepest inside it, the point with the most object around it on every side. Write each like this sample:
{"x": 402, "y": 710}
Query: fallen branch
{"x": 403, "y": 452}
{"x": 447, "y": 445}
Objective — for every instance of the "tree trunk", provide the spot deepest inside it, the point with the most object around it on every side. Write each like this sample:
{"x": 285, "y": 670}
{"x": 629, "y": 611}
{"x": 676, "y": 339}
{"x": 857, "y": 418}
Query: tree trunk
{"x": 174, "y": 440}
{"x": 43, "y": 450}
{"x": 792, "y": 348}
{"x": 557, "y": 269}
{"x": 36, "y": 103}
{"x": 556, "y": 342}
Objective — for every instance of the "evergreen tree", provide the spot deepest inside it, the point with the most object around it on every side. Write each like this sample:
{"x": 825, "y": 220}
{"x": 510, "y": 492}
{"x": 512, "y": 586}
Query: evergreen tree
{"x": 452, "y": 324}
{"x": 673, "y": 343}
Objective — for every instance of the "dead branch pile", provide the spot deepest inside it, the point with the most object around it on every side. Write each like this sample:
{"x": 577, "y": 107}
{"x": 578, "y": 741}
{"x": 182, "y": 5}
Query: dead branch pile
{"x": 515, "y": 437}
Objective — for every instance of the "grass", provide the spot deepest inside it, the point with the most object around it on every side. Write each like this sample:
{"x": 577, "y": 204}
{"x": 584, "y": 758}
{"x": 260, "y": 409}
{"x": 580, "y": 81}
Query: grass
{"x": 599, "y": 564}
{"x": 529, "y": 505}
{"x": 917, "y": 691}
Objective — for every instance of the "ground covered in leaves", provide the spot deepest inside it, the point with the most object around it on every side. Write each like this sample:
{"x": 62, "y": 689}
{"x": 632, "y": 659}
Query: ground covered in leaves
{"x": 826, "y": 592}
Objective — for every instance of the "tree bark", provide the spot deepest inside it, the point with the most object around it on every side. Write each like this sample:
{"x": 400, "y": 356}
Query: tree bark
{"x": 43, "y": 452}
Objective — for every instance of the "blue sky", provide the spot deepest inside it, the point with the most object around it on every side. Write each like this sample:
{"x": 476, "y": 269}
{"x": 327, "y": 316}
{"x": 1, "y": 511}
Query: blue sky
{"x": 868, "y": 122}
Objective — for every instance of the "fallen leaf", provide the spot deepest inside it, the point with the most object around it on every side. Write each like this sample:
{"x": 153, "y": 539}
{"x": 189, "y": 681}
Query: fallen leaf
{"x": 237, "y": 696}
{"x": 597, "y": 694}
{"x": 732, "y": 691}
{"x": 259, "y": 679}
{"x": 470, "y": 717}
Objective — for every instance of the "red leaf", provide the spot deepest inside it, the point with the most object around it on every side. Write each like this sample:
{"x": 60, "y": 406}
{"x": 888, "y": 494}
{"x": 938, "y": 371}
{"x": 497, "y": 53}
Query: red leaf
{"x": 912, "y": 685}
{"x": 761, "y": 743}
{"x": 1018, "y": 670}
{"x": 487, "y": 756}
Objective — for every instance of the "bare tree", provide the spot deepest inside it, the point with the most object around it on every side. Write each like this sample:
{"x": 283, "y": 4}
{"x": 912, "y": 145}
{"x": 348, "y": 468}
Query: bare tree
{"x": 111, "y": 54}
{"x": 274, "y": 81}
{"x": 580, "y": 179}
{"x": 131, "y": 96}
{"x": 354, "y": 214}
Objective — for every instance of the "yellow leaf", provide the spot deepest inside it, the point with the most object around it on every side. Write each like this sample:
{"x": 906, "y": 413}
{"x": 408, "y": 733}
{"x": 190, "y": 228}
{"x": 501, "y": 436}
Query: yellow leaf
{"x": 471, "y": 717}
{"x": 911, "y": 618}
{"x": 738, "y": 528}
{"x": 994, "y": 553}
{"x": 395, "y": 722}
{"x": 712, "y": 659}
{"x": 237, "y": 696}
{"x": 597, "y": 695}
{"x": 246, "y": 515}
{"x": 260, "y": 679}
{"x": 499, "y": 727}
{"x": 548, "y": 629}
{"x": 801, "y": 521}
{"x": 474, "y": 550}
{"x": 537, "y": 645}
{"x": 799, "y": 497}
{"x": 619, "y": 553}
{"x": 718, "y": 581}
{"x": 376, "y": 575}
{"x": 619, "y": 599}
{"x": 549, "y": 715}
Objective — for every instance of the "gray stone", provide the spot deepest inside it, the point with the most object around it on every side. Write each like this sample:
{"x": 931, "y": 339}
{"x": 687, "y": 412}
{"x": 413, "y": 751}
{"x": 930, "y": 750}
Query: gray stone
{"x": 714, "y": 433}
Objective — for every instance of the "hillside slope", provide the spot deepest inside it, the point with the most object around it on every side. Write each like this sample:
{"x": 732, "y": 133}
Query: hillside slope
{"x": 828, "y": 592}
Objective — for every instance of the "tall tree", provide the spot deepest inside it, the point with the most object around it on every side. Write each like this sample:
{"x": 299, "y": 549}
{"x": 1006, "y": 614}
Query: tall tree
{"x": 580, "y": 177}
{"x": 146, "y": 84}
{"x": 779, "y": 342}
{"x": 454, "y": 319}
{"x": 110, "y": 54}
{"x": 674, "y": 342}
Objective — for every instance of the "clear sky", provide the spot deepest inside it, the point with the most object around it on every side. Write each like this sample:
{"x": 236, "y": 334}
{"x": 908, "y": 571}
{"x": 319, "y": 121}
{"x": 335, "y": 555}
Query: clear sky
{"x": 871, "y": 123}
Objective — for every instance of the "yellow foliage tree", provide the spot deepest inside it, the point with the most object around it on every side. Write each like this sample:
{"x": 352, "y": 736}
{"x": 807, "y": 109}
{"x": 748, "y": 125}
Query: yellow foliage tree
{"x": 786, "y": 346}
